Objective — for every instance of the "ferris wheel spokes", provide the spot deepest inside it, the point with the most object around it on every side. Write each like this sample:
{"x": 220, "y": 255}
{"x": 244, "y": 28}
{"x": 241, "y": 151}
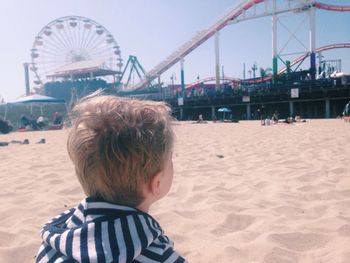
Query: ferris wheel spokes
{"x": 72, "y": 39}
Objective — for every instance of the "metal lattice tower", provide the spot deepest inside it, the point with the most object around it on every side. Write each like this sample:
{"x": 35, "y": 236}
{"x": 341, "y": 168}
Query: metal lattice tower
{"x": 133, "y": 66}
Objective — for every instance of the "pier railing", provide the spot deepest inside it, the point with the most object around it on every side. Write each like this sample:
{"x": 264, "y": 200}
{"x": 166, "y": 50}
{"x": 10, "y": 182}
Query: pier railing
{"x": 256, "y": 91}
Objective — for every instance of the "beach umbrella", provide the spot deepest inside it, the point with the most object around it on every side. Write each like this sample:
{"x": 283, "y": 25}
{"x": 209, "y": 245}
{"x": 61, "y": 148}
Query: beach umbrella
{"x": 36, "y": 99}
{"x": 224, "y": 110}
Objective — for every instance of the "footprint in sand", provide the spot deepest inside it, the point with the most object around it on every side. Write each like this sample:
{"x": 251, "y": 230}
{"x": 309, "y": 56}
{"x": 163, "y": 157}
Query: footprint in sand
{"x": 7, "y": 239}
{"x": 262, "y": 184}
{"x": 233, "y": 223}
{"x": 297, "y": 241}
{"x": 179, "y": 238}
{"x": 308, "y": 188}
{"x": 236, "y": 255}
{"x": 307, "y": 177}
{"x": 223, "y": 208}
{"x": 318, "y": 211}
{"x": 234, "y": 171}
{"x": 199, "y": 187}
{"x": 225, "y": 196}
{"x": 342, "y": 193}
{"x": 346, "y": 258}
{"x": 344, "y": 230}
{"x": 37, "y": 166}
{"x": 191, "y": 214}
{"x": 55, "y": 182}
{"x": 281, "y": 256}
{"x": 72, "y": 190}
{"x": 289, "y": 210}
{"x": 338, "y": 170}
{"x": 197, "y": 198}
{"x": 343, "y": 207}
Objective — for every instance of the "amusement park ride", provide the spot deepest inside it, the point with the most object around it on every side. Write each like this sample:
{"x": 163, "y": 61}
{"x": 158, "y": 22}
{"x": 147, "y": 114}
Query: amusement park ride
{"x": 73, "y": 47}
{"x": 249, "y": 10}
{"x": 76, "y": 47}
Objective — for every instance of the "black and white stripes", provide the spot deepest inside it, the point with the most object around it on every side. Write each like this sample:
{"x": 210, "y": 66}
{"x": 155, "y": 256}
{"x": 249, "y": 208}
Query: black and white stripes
{"x": 98, "y": 231}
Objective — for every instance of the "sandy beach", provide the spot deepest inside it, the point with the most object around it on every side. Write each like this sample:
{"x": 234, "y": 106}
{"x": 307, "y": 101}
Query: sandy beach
{"x": 242, "y": 192}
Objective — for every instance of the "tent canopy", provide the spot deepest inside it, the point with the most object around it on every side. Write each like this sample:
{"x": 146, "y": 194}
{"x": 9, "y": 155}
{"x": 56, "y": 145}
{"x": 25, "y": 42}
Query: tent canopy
{"x": 36, "y": 98}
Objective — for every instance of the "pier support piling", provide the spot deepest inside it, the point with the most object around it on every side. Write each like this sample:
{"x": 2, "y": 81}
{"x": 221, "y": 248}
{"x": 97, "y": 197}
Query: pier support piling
{"x": 181, "y": 113}
{"x": 249, "y": 114}
{"x": 291, "y": 108}
{"x": 327, "y": 109}
{"x": 182, "y": 74}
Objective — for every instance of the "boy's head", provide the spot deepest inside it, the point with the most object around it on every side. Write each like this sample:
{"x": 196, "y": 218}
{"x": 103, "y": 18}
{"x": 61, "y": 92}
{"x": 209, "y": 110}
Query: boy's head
{"x": 118, "y": 145}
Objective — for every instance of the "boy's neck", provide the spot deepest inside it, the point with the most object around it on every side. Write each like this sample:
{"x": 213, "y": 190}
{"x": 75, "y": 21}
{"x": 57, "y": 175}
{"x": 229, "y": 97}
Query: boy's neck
{"x": 146, "y": 204}
{"x": 143, "y": 208}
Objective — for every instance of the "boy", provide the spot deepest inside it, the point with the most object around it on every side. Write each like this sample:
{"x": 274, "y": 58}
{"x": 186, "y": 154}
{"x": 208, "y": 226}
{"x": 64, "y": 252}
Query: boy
{"x": 122, "y": 153}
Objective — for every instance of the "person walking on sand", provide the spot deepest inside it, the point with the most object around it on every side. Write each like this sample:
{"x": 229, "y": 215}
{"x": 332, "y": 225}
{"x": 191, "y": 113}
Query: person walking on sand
{"x": 57, "y": 119}
{"x": 262, "y": 113}
{"x": 346, "y": 112}
{"x": 5, "y": 126}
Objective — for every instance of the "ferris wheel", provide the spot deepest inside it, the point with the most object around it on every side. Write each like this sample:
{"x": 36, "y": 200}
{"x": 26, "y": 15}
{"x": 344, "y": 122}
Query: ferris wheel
{"x": 71, "y": 39}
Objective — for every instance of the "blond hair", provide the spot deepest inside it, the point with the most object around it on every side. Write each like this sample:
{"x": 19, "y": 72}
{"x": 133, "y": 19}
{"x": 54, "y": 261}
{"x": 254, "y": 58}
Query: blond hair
{"x": 118, "y": 144}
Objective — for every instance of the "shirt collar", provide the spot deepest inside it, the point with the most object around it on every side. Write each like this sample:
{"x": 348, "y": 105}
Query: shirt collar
{"x": 93, "y": 208}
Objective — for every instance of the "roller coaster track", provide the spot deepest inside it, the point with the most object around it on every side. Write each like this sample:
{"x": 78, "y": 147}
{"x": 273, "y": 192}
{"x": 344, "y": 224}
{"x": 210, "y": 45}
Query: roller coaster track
{"x": 301, "y": 58}
{"x": 204, "y": 35}
{"x": 294, "y": 62}
{"x": 331, "y": 7}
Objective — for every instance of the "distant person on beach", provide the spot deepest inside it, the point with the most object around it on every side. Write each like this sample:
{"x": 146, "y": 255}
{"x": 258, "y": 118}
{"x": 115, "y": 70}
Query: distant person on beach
{"x": 57, "y": 119}
{"x": 200, "y": 119}
{"x": 5, "y": 126}
{"x": 25, "y": 121}
{"x": 41, "y": 122}
{"x": 291, "y": 120}
{"x": 262, "y": 113}
{"x": 275, "y": 117}
{"x": 346, "y": 112}
{"x": 122, "y": 153}
{"x": 297, "y": 118}
{"x": 28, "y": 123}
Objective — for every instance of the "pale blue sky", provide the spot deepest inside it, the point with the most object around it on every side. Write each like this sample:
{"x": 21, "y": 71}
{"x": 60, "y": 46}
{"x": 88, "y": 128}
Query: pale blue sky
{"x": 152, "y": 29}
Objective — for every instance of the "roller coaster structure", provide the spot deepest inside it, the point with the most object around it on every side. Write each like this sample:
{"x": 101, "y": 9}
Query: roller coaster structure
{"x": 246, "y": 11}
{"x": 299, "y": 60}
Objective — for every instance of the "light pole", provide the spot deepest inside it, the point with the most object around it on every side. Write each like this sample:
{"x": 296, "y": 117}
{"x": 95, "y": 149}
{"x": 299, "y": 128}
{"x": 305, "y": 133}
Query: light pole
{"x": 244, "y": 71}
{"x": 172, "y": 77}
{"x": 26, "y": 78}
{"x": 254, "y": 68}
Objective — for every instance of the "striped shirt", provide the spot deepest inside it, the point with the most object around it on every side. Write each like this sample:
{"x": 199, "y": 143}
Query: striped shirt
{"x": 97, "y": 231}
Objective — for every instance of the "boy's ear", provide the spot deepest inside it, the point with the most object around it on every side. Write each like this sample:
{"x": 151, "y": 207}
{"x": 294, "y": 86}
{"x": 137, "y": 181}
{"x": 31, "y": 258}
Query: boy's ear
{"x": 154, "y": 184}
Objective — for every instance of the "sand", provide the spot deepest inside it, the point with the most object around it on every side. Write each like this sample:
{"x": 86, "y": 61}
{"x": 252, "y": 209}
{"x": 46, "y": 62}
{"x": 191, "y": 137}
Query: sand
{"x": 241, "y": 193}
